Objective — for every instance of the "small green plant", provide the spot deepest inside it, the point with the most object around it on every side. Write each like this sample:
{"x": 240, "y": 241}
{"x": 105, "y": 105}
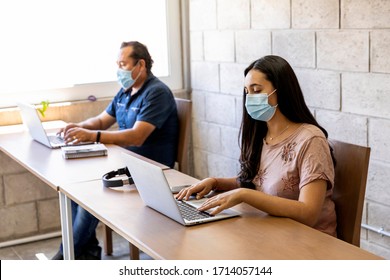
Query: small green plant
{"x": 45, "y": 105}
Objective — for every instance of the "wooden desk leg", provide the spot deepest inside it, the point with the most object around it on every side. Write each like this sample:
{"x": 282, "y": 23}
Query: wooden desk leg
{"x": 107, "y": 232}
{"x": 134, "y": 252}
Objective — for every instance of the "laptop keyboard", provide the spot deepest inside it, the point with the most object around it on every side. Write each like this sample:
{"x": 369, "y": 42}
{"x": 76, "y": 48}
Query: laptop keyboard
{"x": 190, "y": 212}
{"x": 56, "y": 139}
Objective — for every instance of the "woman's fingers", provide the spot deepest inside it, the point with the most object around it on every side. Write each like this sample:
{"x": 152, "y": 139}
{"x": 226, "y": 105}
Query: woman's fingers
{"x": 201, "y": 189}
{"x": 214, "y": 202}
{"x": 184, "y": 193}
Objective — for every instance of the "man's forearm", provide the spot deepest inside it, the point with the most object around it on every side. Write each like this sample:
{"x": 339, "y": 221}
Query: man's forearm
{"x": 93, "y": 123}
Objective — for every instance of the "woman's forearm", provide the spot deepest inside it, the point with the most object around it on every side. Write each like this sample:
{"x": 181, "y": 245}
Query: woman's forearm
{"x": 225, "y": 184}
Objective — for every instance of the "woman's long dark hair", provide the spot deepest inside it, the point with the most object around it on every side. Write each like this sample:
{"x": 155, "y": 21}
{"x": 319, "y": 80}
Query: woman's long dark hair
{"x": 291, "y": 103}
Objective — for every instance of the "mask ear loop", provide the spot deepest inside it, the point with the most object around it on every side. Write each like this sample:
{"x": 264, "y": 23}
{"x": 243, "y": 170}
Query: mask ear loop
{"x": 272, "y": 106}
{"x": 271, "y": 93}
{"x": 139, "y": 73}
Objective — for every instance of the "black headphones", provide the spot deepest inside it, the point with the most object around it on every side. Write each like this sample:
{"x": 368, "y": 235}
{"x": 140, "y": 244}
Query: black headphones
{"x": 119, "y": 182}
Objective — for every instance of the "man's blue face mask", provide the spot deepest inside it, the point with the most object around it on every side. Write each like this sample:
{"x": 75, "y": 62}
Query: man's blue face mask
{"x": 125, "y": 77}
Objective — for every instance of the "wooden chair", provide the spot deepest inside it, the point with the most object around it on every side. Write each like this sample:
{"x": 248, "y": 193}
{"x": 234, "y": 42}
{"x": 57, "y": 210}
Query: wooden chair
{"x": 184, "y": 109}
{"x": 350, "y": 185}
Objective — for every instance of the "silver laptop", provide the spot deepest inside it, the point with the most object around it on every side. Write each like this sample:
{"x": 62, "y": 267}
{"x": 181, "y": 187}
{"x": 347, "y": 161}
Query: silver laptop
{"x": 178, "y": 181}
{"x": 156, "y": 193}
{"x": 31, "y": 119}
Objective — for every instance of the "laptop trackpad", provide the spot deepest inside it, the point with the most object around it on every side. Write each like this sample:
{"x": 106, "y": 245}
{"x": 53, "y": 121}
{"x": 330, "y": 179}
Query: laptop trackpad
{"x": 198, "y": 202}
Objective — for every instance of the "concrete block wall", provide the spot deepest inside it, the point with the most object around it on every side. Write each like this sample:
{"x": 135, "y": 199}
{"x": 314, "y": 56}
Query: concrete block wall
{"x": 27, "y": 205}
{"x": 339, "y": 50}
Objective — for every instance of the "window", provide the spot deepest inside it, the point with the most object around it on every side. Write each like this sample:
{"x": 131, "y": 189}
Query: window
{"x": 66, "y": 50}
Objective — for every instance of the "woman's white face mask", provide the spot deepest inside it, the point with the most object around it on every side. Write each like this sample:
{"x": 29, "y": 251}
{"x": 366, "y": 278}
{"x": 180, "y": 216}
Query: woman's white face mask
{"x": 258, "y": 107}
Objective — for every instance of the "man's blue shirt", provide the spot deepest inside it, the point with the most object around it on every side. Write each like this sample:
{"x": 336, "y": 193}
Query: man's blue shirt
{"x": 153, "y": 103}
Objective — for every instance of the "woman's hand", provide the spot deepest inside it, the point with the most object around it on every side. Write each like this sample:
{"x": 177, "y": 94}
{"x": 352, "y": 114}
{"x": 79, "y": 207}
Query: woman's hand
{"x": 222, "y": 201}
{"x": 200, "y": 189}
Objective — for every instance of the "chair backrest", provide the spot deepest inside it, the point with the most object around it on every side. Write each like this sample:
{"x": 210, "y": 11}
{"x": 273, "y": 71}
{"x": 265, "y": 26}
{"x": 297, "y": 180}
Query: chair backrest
{"x": 184, "y": 108}
{"x": 349, "y": 188}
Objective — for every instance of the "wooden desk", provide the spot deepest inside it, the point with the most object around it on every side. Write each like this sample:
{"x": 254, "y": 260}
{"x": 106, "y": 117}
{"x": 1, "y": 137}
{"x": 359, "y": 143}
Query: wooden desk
{"x": 254, "y": 235}
{"x": 49, "y": 165}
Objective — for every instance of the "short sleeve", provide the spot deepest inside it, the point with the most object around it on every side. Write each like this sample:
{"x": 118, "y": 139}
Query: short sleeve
{"x": 315, "y": 162}
{"x": 111, "y": 108}
{"x": 157, "y": 107}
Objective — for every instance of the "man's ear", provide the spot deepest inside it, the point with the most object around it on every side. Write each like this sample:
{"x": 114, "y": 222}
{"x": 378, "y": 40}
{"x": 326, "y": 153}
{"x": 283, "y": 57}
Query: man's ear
{"x": 142, "y": 62}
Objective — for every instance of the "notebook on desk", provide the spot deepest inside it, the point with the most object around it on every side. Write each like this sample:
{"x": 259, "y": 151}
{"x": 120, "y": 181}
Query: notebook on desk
{"x": 31, "y": 119}
{"x": 156, "y": 193}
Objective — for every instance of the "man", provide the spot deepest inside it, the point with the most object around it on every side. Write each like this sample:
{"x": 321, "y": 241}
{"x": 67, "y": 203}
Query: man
{"x": 146, "y": 113}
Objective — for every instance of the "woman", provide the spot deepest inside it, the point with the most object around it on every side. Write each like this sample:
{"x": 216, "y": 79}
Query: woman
{"x": 286, "y": 162}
